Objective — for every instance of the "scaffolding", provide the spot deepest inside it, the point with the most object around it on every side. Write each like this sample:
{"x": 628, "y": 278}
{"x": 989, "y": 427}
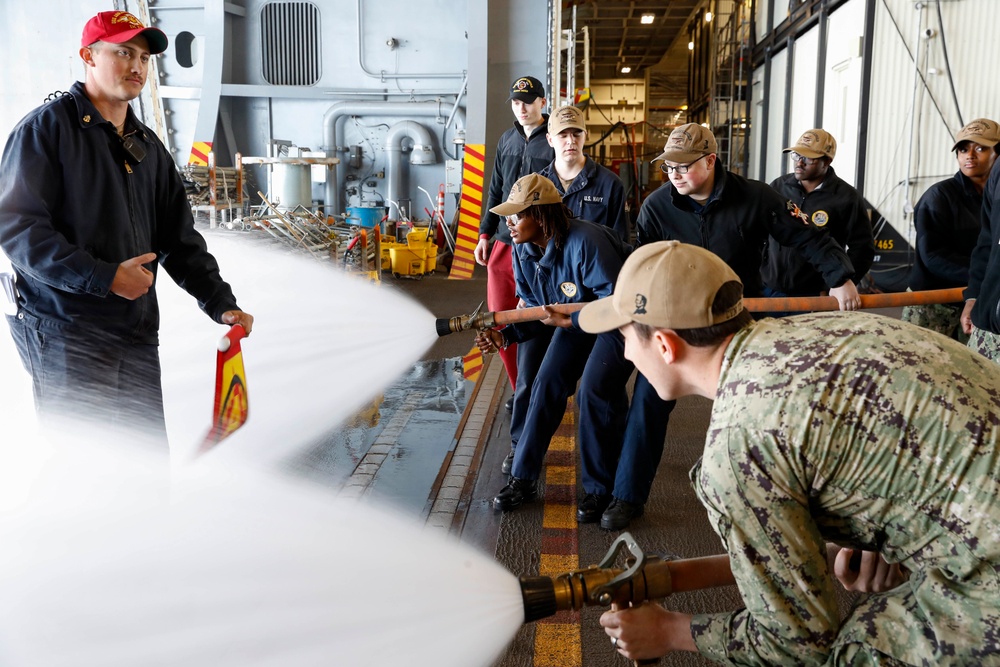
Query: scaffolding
{"x": 729, "y": 104}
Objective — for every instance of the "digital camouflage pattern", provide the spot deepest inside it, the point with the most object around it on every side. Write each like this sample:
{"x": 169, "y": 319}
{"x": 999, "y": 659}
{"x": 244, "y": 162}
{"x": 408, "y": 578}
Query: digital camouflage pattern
{"x": 868, "y": 432}
{"x": 944, "y": 318}
{"x": 985, "y": 343}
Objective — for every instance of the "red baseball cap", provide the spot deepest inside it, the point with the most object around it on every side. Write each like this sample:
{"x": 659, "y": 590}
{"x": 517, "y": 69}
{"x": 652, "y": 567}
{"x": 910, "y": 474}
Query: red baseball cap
{"x": 120, "y": 27}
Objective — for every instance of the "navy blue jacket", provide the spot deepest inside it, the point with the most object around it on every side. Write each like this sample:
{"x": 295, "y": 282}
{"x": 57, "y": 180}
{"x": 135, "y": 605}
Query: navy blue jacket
{"x": 516, "y": 157}
{"x": 74, "y": 205}
{"x": 735, "y": 223}
{"x": 596, "y": 194}
{"x": 947, "y": 221}
{"x": 584, "y": 269}
{"x": 984, "y": 267}
{"x": 835, "y": 208}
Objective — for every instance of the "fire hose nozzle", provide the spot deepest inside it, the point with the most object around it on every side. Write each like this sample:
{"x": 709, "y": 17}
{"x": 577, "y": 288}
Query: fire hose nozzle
{"x": 645, "y": 578}
{"x": 475, "y": 320}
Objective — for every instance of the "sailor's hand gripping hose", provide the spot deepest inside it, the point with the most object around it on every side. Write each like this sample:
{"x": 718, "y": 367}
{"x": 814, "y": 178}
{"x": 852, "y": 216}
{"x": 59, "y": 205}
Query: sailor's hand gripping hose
{"x": 645, "y": 577}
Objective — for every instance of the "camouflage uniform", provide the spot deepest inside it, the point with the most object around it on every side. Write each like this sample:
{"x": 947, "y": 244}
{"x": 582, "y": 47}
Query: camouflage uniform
{"x": 944, "y": 318}
{"x": 868, "y": 432}
{"x": 985, "y": 343}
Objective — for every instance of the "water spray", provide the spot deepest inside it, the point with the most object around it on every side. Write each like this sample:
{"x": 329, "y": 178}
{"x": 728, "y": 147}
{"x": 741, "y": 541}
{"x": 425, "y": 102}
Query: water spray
{"x": 645, "y": 577}
{"x": 488, "y": 320}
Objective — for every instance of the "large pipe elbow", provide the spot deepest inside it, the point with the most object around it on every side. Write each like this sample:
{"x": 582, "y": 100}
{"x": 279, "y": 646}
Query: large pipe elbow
{"x": 341, "y": 109}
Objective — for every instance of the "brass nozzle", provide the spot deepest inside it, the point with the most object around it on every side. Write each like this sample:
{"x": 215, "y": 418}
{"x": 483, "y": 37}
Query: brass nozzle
{"x": 646, "y": 578}
{"x": 476, "y": 320}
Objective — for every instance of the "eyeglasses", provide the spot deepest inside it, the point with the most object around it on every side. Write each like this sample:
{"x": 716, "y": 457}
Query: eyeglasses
{"x": 807, "y": 161}
{"x": 681, "y": 168}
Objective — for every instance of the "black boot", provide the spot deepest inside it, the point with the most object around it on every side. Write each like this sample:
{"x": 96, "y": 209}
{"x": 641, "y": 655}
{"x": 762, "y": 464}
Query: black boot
{"x": 620, "y": 514}
{"x": 592, "y": 507}
{"x": 508, "y": 462}
{"x": 516, "y": 492}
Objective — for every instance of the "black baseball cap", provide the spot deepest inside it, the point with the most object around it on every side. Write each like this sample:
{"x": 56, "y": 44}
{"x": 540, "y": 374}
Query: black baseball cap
{"x": 526, "y": 89}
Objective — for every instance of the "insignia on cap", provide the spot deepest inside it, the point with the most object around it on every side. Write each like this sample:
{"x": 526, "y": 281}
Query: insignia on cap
{"x": 125, "y": 17}
{"x": 640, "y": 305}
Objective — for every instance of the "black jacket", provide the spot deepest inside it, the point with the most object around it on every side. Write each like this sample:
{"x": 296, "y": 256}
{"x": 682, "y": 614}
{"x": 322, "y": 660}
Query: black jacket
{"x": 735, "y": 223}
{"x": 516, "y": 157}
{"x": 984, "y": 268}
{"x": 835, "y": 208}
{"x": 947, "y": 221}
{"x": 596, "y": 194}
{"x": 74, "y": 205}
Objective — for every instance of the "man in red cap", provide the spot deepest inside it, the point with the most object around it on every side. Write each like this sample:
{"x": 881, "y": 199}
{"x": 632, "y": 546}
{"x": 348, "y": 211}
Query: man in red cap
{"x": 90, "y": 204}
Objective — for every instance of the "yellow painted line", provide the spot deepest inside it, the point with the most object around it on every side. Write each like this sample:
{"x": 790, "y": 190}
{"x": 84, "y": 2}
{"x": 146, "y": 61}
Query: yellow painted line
{"x": 557, "y": 645}
{"x": 562, "y": 443}
{"x": 557, "y": 639}
{"x": 560, "y": 475}
{"x": 559, "y": 516}
{"x": 553, "y": 564}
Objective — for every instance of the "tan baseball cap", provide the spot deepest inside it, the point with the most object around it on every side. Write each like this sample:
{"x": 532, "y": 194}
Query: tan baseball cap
{"x": 982, "y": 131}
{"x": 528, "y": 191}
{"x": 814, "y": 143}
{"x": 687, "y": 143}
{"x": 667, "y": 285}
{"x": 566, "y": 117}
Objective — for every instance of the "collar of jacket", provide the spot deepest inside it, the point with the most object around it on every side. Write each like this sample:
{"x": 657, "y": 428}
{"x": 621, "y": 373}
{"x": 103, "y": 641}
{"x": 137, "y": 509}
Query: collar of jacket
{"x": 87, "y": 115}
{"x": 540, "y": 132}
{"x": 588, "y": 171}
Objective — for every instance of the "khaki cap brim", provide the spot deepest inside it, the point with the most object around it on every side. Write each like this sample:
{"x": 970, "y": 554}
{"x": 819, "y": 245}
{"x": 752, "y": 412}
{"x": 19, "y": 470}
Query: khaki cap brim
{"x": 679, "y": 156}
{"x": 601, "y": 315}
{"x": 509, "y": 208}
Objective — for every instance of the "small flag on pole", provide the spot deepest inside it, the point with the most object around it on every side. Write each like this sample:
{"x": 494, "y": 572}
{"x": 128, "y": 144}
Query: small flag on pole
{"x": 231, "y": 403}
{"x": 472, "y": 364}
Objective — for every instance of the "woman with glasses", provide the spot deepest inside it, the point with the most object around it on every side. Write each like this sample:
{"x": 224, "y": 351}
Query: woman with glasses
{"x": 561, "y": 259}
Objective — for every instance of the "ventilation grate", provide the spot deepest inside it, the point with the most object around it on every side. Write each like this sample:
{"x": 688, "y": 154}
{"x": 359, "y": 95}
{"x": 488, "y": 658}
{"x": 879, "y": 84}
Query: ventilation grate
{"x": 290, "y": 36}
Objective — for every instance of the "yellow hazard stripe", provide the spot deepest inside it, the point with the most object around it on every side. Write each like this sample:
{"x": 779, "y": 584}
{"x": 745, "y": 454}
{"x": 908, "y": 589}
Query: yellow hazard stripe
{"x": 470, "y": 212}
{"x": 199, "y": 153}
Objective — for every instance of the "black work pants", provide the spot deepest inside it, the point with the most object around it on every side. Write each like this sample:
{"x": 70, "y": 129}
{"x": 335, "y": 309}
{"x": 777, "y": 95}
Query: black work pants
{"x": 92, "y": 381}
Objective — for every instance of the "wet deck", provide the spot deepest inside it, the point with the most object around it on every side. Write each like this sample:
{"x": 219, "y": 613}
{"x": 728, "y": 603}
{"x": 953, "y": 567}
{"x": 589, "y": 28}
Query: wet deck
{"x": 433, "y": 445}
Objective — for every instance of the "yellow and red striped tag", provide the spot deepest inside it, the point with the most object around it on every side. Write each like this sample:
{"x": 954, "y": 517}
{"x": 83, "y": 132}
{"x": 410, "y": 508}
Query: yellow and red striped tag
{"x": 472, "y": 364}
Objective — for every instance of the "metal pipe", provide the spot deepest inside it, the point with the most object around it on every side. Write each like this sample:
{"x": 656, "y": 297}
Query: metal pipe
{"x": 422, "y": 153}
{"x": 488, "y": 320}
{"x": 341, "y": 109}
{"x": 907, "y": 189}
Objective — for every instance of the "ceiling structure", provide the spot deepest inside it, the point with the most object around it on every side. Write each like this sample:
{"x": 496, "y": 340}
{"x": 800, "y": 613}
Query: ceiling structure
{"x": 618, "y": 38}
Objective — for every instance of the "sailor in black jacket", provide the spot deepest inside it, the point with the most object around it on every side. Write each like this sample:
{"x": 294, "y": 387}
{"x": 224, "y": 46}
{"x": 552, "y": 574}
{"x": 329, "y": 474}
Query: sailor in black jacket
{"x": 89, "y": 198}
{"x": 522, "y": 150}
{"x": 703, "y": 204}
{"x": 981, "y": 316}
{"x": 947, "y": 219}
{"x": 829, "y": 204}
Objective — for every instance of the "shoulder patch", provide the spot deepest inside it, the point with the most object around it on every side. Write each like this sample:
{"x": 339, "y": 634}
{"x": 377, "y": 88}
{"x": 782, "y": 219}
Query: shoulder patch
{"x": 820, "y": 218}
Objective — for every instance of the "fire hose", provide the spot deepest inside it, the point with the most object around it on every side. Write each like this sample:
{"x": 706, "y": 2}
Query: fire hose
{"x": 645, "y": 577}
{"x": 488, "y": 320}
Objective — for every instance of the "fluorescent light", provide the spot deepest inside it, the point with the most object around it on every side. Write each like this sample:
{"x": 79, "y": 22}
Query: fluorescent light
{"x": 647, "y": 18}
{"x": 626, "y": 70}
